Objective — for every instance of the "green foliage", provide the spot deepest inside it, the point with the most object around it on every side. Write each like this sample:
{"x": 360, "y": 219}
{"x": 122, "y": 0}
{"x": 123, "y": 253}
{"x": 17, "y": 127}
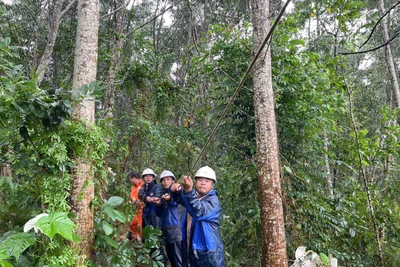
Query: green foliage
{"x": 23, "y": 105}
{"x": 241, "y": 221}
{"x": 172, "y": 86}
{"x": 57, "y": 223}
{"x": 148, "y": 253}
{"x": 342, "y": 224}
{"x": 59, "y": 254}
{"x": 94, "y": 89}
{"x": 124, "y": 252}
{"x": 16, "y": 247}
{"x": 39, "y": 140}
{"x": 112, "y": 247}
{"x": 108, "y": 208}
{"x": 84, "y": 141}
{"x": 15, "y": 244}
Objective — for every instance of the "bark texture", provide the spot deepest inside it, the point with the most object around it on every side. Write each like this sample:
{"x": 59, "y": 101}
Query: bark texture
{"x": 5, "y": 170}
{"x": 55, "y": 21}
{"x": 85, "y": 67}
{"x": 389, "y": 57}
{"x": 270, "y": 192}
{"x": 85, "y": 59}
{"x": 48, "y": 51}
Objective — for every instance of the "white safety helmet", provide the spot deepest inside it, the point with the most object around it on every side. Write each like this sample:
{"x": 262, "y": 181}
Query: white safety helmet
{"x": 206, "y": 172}
{"x": 148, "y": 171}
{"x": 166, "y": 173}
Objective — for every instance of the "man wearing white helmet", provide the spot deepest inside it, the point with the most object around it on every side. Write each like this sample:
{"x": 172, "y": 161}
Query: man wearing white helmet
{"x": 205, "y": 246}
{"x": 148, "y": 193}
{"x": 170, "y": 213}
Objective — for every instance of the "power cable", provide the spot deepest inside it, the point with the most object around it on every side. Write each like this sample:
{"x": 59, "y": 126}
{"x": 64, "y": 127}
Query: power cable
{"x": 246, "y": 75}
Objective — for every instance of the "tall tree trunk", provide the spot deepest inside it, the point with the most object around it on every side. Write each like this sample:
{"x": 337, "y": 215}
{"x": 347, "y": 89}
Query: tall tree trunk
{"x": 204, "y": 23}
{"x": 154, "y": 27}
{"x": 389, "y": 57}
{"x": 5, "y": 170}
{"x": 270, "y": 191}
{"x": 115, "y": 63}
{"x": 329, "y": 178}
{"x": 85, "y": 67}
{"x": 328, "y": 173}
{"x": 48, "y": 51}
{"x": 40, "y": 18}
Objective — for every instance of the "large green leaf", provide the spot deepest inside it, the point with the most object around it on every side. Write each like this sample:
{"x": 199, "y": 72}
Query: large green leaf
{"x": 7, "y": 181}
{"x": 3, "y": 255}
{"x": 24, "y": 262}
{"x": 108, "y": 208}
{"x": 108, "y": 229}
{"x": 5, "y": 263}
{"x": 32, "y": 223}
{"x": 58, "y": 223}
{"x": 114, "y": 201}
{"x": 324, "y": 258}
{"x": 110, "y": 241}
{"x": 114, "y": 214}
{"x": 15, "y": 244}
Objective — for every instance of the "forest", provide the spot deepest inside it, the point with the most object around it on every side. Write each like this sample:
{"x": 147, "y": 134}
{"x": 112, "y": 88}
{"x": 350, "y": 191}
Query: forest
{"x": 294, "y": 104}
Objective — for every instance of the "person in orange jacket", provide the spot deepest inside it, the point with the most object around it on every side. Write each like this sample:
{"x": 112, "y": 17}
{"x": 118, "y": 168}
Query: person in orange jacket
{"x": 135, "y": 225}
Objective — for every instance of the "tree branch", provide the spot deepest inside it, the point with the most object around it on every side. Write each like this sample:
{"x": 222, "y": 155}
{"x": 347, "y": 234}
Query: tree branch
{"x": 150, "y": 20}
{"x": 68, "y": 7}
{"x": 376, "y": 24}
{"x": 372, "y": 49}
{"x": 116, "y": 10}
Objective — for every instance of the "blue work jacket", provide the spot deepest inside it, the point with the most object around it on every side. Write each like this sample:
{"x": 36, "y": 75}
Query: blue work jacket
{"x": 170, "y": 213}
{"x": 206, "y": 248}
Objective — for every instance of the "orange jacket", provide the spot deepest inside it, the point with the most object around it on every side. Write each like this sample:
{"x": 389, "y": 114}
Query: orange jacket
{"x": 136, "y": 224}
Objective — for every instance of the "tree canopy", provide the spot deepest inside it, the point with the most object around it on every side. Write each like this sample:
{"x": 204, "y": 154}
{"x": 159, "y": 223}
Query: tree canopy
{"x": 166, "y": 71}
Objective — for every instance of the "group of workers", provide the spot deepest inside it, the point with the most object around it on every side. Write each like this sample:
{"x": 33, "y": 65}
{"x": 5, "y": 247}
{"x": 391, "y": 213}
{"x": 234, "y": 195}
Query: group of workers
{"x": 188, "y": 214}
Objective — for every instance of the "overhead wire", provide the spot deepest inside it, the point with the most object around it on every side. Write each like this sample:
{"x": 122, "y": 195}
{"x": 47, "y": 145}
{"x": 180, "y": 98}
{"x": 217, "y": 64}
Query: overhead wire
{"x": 246, "y": 75}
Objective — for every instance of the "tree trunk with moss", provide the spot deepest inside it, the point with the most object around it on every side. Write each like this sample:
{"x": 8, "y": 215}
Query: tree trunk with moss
{"x": 85, "y": 66}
